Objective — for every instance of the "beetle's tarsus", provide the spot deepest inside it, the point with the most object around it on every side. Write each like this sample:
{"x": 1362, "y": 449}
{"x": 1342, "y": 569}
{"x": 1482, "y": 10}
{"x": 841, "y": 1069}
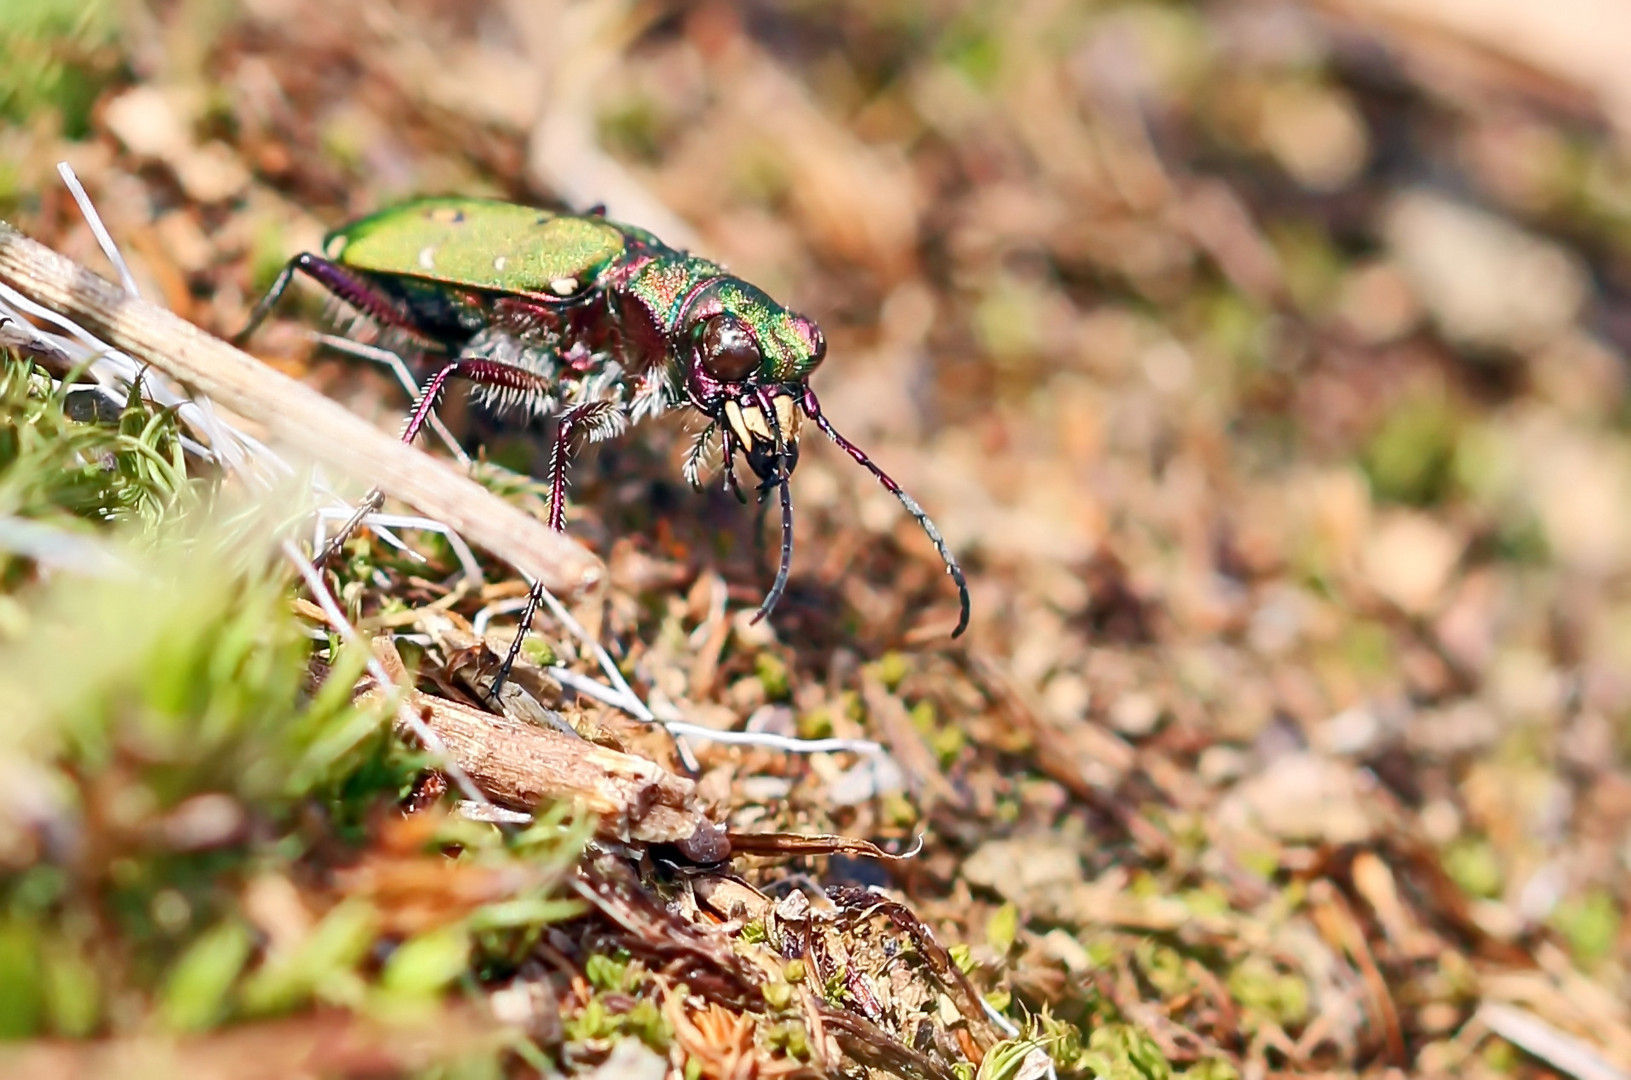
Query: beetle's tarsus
{"x": 535, "y": 597}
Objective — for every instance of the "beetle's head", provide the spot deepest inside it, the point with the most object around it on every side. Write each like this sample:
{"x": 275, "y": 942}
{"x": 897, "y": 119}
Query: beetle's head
{"x": 747, "y": 360}
{"x": 747, "y": 366}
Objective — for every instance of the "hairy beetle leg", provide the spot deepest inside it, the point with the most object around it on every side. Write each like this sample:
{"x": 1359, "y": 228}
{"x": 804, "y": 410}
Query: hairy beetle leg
{"x": 338, "y": 281}
{"x": 597, "y": 419}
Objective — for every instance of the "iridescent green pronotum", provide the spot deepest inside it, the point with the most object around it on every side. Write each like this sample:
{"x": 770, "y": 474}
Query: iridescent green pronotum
{"x": 597, "y": 322}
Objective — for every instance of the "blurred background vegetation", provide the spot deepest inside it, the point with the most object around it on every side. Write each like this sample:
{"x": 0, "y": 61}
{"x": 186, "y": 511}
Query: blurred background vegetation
{"x": 1265, "y": 360}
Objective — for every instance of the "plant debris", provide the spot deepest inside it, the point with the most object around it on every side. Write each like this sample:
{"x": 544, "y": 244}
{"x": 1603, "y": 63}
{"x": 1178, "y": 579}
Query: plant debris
{"x": 1263, "y": 363}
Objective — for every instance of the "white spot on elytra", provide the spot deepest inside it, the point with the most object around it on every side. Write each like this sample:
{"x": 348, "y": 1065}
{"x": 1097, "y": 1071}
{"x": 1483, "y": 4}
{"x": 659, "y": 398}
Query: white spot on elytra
{"x": 501, "y": 262}
{"x": 427, "y": 258}
{"x": 563, "y": 286}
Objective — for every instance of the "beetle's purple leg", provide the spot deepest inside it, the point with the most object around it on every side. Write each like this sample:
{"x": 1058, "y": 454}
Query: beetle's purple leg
{"x": 535, "y": 598}
{"x": 728, "y": 447}
{"x": 558, "y": 454}
{"x": 485, "y": 372}
{"x": 589, "y": 414}
{"x": 349, "y": 287}
{"x": 812, "y": 409}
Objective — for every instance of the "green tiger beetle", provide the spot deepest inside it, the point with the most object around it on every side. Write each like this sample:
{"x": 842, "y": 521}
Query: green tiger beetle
{"x": 599, "y": 323}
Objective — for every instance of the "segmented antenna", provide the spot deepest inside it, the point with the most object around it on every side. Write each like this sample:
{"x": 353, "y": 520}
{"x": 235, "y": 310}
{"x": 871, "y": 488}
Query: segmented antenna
{"x": 812, "y": 409}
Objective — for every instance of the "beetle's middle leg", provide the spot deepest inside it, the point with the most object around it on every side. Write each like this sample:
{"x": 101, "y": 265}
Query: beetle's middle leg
{"x": 597, "y": 420}
{"x": 474, "y": 369}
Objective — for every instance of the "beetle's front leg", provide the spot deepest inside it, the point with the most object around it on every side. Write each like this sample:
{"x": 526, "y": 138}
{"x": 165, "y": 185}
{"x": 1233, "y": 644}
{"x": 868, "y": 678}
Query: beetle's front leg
{"x": 728, "y": 446}
{"x": 596, "y": 419}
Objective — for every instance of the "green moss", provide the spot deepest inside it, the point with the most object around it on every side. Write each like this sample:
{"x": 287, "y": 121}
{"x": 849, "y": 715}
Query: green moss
{"x": 1590, "y": 924}
{"x": 66, "y": 472}
{"x": 1472, "y": 864}
{"x": 925, "y": 718}
{"x": 1366, "y": 648}
{"x": 325, "y": 966}
{"x": 1500, "y": 1056}
{"x": 791, "y": 1037}
{"x": 195, "y": 993}
{"x": 898, "y": 810}
{"x": 948, "y": 744}
{"x": 815, "y": 724}
{"x": 891, "y": 669}
{"x": 773, "y": 675}
{"x": 631, "y": 127}
{"x": 169, "y": 717}
{"x": 609, "y": 973}
{"x": 425, "y": 965}
{"x": 73, "y": 988}
{"x": 1257, "y": 985}
{"x": 778, "y": 995}
{"x": 55, "y": 59}
{"x": 1007, "y": 1059}
{"x": 22, "y": 980}
{"x": 834, "y": 990}
{"x": 972, "y": 46}
{"x": 645, "y": 1022}
{"x": 1123, "y": 1052}
{"x": 1314, "y": 268}
{"x": 1002, "y": 928}
{"x": 539, "y": 651}
{"x": 1409, "y": 458}
{"x": 1164, "y": 967}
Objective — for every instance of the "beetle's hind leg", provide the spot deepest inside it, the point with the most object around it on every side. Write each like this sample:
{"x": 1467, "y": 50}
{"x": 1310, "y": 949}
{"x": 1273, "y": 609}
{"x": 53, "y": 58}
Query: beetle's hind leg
{"x": 341, "y": 282}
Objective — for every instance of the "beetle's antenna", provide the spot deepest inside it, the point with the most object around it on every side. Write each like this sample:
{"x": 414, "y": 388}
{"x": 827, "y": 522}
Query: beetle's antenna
{"x": 786, "y": 491}
{"x": 812, "y": 409}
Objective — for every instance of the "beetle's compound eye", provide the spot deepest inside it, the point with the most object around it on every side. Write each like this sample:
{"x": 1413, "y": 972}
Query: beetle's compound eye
{"x": 818, "y": 344}
{"x": 727, "y": 349}
{"x": 810, "y": 335}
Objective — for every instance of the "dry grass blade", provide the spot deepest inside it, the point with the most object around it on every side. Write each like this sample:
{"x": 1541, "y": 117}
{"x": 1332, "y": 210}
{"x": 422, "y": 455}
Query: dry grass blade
{"x": 1562, "y": 1051}
{"x": 784, "y": 845}
{"x": 294, "y": 415}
